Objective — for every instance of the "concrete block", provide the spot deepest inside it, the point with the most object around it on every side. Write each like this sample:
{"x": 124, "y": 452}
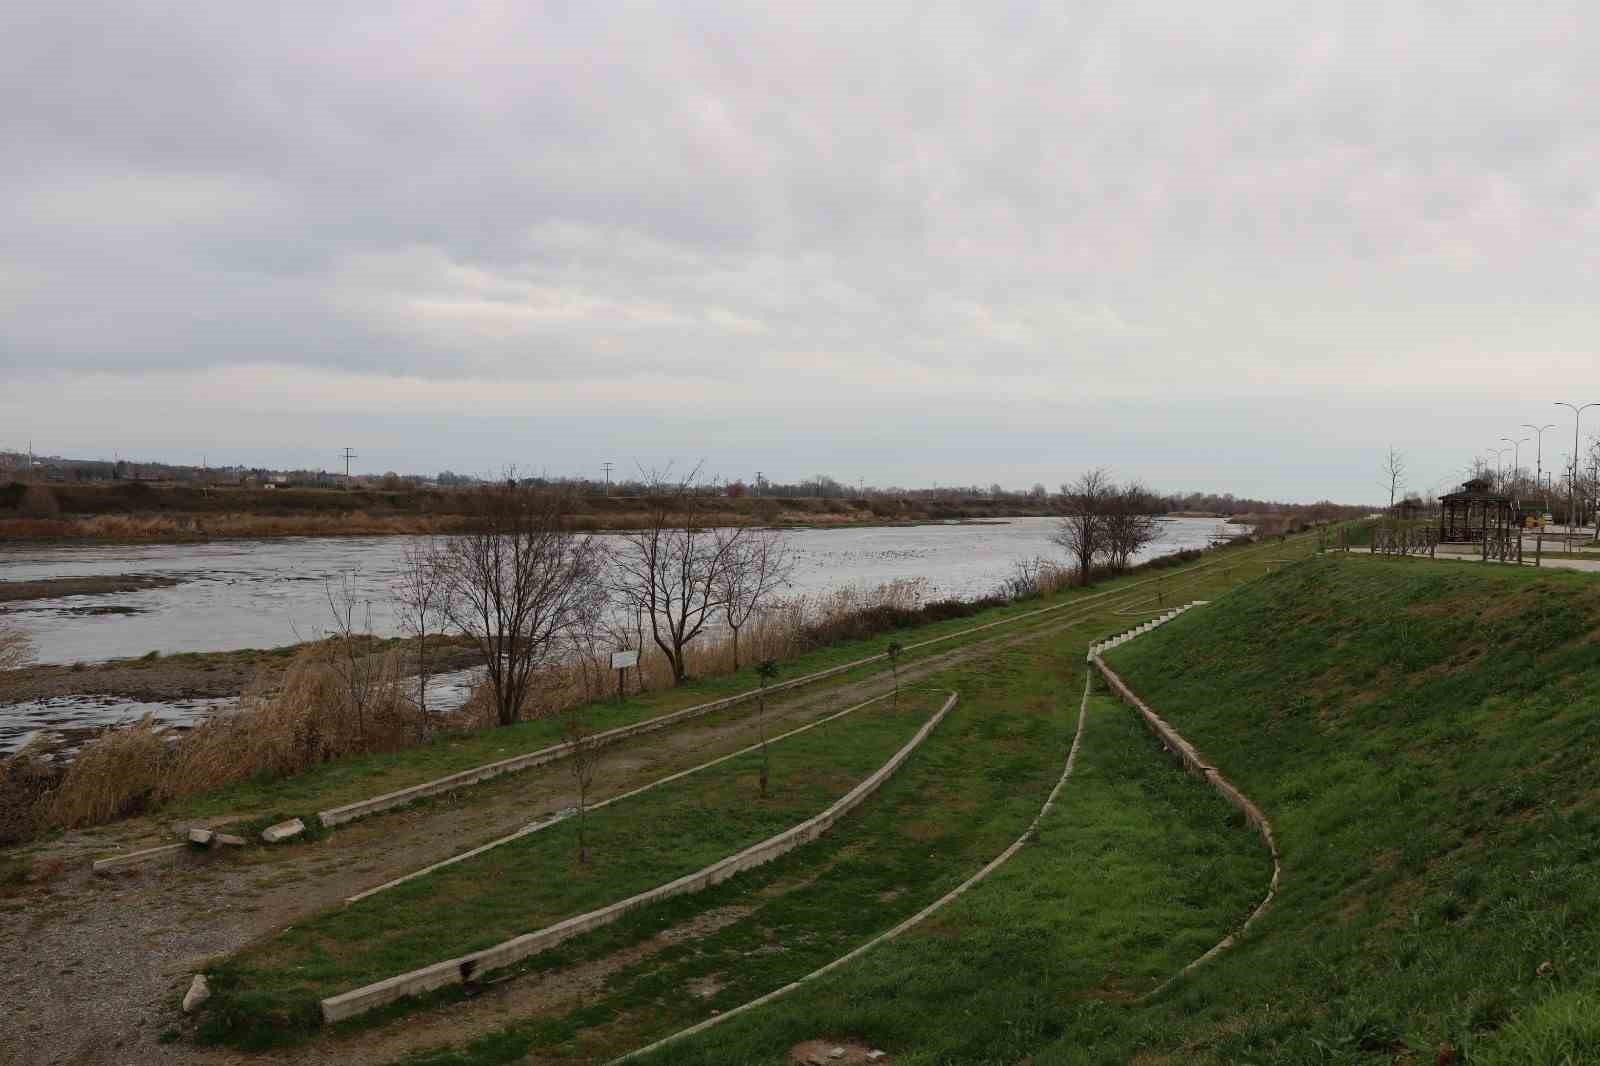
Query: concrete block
{"x": 198, "y": 993}
{"x": 272, "y": 834}
{"x": 200, "y": 837}
{"x": 227, "y": 840}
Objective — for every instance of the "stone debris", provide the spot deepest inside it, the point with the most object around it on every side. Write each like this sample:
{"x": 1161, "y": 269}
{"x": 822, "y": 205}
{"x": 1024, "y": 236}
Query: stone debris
{"x": 876, "y": 1056}
{"x": 200, "y": 836}
{"x": 227, "y": 838}
{"x": 836, "y": 1053}
{"x": 198, "y": 993}
{"x": 272, "y": 834}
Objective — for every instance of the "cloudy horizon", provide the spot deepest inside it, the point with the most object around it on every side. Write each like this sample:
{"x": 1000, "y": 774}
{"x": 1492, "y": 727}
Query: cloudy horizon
{"x": 1247, "y": 250}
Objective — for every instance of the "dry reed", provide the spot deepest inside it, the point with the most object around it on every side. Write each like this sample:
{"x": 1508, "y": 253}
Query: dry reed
{"x": 314, "y": 716}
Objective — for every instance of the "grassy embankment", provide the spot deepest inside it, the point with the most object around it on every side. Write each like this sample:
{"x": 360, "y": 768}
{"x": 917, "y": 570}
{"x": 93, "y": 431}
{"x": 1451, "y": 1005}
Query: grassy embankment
{"x": 1423, "y": 736}
{"x": 974, "y": 785}
{"x": 1137, "y": 872}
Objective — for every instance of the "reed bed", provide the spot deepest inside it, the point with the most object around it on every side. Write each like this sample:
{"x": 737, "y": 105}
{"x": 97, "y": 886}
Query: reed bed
{"x": 329, "y": 705}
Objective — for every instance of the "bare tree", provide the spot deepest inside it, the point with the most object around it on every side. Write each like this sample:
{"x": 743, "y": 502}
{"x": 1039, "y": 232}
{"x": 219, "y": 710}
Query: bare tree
{"x": 583, "y": 757}
{"x": 1082, "y": 532}
{"x": 766, "y": 669}
{"x": 519, "y": 584}
{"x": 1130, "y": 523}
{"x": 1393, "y": 473}
{"x": 753, "y": 569}
{"x": 671, "y": 570}
{"x": 420, "y": 593}
{"x": 360, "y": 671}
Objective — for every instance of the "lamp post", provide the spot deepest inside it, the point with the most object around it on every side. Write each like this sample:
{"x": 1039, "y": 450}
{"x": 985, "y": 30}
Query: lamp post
{"x": 1516, "y": 459}
{"x": 1538, "y": 459}
{"x": 1572, "y": 486}
{"x": 1499, "y": 466}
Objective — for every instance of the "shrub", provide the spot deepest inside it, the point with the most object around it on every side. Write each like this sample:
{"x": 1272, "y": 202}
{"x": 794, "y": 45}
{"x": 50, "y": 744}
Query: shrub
{"x": 25, "y": 778}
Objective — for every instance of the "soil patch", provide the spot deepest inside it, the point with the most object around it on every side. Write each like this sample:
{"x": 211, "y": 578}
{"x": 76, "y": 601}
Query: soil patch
{"x": 57, "y": 587}
{"x": 827, "y": 1052}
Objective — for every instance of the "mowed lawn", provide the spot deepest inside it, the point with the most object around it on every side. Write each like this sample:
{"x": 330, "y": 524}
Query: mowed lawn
{"x": 1138, "y": 870}
{"x": 271, "y": 990}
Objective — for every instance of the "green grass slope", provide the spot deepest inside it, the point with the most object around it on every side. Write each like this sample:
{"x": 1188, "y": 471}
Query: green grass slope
{"x": 1425, "y": 737}
{"x": 1426, "y": 740}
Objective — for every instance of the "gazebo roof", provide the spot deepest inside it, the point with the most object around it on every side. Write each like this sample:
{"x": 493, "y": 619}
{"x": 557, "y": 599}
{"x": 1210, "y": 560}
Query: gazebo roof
{"x": 1474, "y": 491}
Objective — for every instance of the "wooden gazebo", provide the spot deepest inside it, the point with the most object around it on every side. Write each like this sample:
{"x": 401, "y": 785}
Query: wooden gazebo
{"x": 1473, "y": 514}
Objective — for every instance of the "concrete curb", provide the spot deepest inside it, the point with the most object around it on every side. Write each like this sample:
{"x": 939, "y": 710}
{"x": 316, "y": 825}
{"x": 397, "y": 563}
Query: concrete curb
{"x": 462, "y": 969}
{"x": 1106, "y": 645}
{"x": 936, "y": 905}
{"x": 1196, "y": 764}
{"x": 534, "y": 827}
{"x": 137, "y": 856}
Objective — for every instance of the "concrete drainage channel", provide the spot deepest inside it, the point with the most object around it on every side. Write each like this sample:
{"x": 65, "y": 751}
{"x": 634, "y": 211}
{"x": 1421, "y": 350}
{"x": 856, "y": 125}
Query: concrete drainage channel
{"x": 1195, "y": 763}
{"x": 467, "y": 968}
{"x": 1095, "y": 650}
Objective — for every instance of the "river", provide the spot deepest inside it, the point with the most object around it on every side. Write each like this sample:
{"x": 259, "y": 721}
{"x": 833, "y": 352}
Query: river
{"x": 260, "y": 594}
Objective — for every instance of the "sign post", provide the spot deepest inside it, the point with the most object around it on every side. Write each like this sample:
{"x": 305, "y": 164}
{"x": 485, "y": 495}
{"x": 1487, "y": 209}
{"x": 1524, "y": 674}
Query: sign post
{"x": 620, "y": 661}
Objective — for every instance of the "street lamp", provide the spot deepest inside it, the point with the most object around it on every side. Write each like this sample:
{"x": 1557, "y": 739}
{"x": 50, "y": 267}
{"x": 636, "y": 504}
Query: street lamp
{"x": 1499, "y": 467}
{"x": 1572, "y": 486}
{"x": 1516, "y": 459}
{"x": 1538, "y": 475}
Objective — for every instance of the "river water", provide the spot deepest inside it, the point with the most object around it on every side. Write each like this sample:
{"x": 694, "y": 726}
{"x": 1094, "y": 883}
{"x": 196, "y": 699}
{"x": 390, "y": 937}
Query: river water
{"x": 260, "y": 594}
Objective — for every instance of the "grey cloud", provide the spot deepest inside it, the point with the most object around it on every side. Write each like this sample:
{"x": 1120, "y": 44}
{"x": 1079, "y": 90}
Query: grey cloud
{"x": 1073, "y": 199}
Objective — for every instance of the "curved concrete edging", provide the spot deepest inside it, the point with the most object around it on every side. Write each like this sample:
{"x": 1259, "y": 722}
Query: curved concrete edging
{"x": 1196, "y": 764}
{"x": 936, "y": 905}
{"x": 461, "y": 969}
{"x": 535, "y": 827}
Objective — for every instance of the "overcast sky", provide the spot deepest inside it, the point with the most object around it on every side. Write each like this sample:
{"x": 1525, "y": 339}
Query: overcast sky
{"x": 1232, "y": 246}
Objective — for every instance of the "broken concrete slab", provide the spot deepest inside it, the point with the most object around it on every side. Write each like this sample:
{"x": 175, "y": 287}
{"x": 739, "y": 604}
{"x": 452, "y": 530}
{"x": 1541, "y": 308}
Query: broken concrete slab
{"x": 199, "y": 836}
{"x": 274, "y": 834}
{"x": 227, "y": 839}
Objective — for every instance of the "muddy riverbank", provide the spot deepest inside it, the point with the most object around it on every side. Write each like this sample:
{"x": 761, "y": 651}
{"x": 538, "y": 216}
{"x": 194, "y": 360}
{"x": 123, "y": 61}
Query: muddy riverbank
{"x": 99, "y": 585}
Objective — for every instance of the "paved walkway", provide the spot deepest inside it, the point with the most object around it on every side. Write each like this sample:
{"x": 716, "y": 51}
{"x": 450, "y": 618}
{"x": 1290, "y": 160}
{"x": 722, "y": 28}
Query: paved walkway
{"x": 1527, "y": 560}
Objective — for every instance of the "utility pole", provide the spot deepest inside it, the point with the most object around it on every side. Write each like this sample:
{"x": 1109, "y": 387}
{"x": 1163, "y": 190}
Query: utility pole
{"x": 608, "y": 467}
{"x": 1572, "y": 487}
{"x": 348, "y": 455}
{"x": 758, "y": 482}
